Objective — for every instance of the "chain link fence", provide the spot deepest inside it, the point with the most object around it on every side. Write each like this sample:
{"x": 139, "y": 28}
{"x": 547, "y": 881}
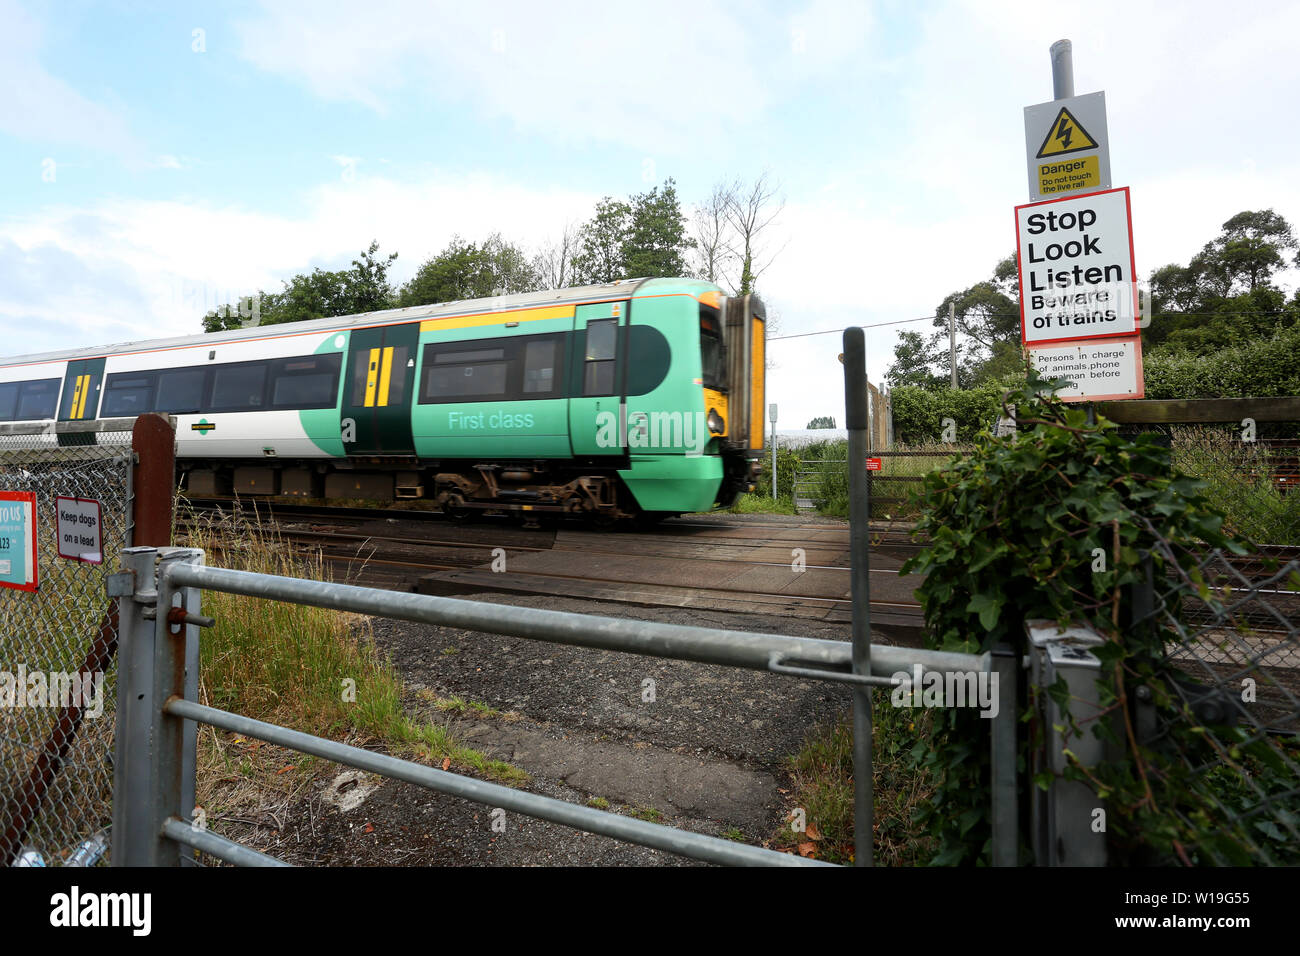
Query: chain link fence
{"x": 57, "y": 648}
{"x": 1231, "y": 627}
{"x": 1254, "y": 480}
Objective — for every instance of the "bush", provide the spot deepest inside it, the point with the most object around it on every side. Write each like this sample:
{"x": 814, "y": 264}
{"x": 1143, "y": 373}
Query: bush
{"x": 919, "y": 414}
{"x": 1262, "y": 368}
{"x": 1014, "y": 528}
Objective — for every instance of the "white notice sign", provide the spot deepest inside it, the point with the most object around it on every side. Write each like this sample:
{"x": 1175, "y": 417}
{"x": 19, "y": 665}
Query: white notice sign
{"x": 1077, "y": 274}
{"x": 1097, "y": 370}
{"x": 79, "y": 529}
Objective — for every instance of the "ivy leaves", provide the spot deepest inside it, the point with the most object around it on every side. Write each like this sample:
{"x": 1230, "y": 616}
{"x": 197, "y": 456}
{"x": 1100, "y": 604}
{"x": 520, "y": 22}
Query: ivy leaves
{"x": 1053, "y": 523}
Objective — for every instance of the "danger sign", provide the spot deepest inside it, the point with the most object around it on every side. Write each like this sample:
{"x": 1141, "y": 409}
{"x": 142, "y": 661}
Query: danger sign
{"x": 1078, "y": 279}
{"x": 873, "y": 464}
{"x": 1066, "y": 146}
{"x": 1066, "y": 135}
{"x": 79, "y": 529}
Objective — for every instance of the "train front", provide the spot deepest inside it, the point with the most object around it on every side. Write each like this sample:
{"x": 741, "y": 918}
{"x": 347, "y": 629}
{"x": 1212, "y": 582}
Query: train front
{"x": 733, "y": 349}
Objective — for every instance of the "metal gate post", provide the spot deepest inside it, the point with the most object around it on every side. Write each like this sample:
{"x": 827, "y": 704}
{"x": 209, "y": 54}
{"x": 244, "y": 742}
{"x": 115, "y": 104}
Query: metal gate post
{"x": 133, "y": 770}
{"x": 1002, "y": 741}
{"x": 855, "y": 414}
{"x": 174, "y": 675}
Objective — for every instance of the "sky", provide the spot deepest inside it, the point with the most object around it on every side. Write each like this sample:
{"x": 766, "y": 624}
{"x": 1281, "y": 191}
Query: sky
{"x": 159, "y": 159}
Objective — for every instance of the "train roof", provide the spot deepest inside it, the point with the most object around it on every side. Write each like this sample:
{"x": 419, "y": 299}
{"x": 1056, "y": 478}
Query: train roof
{"x": 621, "y": 289}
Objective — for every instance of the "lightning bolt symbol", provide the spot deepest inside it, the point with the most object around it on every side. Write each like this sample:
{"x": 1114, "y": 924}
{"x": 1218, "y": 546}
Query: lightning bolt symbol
{"x": 1064, "y": 132}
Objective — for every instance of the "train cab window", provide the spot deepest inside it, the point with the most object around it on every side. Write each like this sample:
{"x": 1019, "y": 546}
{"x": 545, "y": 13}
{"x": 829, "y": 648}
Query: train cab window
{"x": 127, "y": 394}
{"x": 239, "y": 388}
{"x": 180, "y": 391}
{"x": 310, "y": 381}
{"x": 598, "y": 369}
{"x": 8, "y": 401}
{"x": 713, "y": 355}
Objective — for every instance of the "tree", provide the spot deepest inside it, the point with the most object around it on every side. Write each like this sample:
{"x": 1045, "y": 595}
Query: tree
{"x": 916, "y": 360}
{"x": 363, "y": 288}
{"x": 1248, "y": 252}
{"x": 656, "y": 243}
{"x": 553, "y": 263}
{"x": 714, "y": 255}
{"x": 822, "y": 421}
{"x": 468, "y": 270}
{"x": 750, "y": 210}
{"x": 645, "y": 236}
{"x": 1226, "y": 295}
{"x": 601, "y": 240}
{"x": 987, "y": 317}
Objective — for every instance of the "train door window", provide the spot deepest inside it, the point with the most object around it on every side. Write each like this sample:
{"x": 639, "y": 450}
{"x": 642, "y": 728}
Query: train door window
{"x": 8, "y": 401}
{"x": 539, "y": 365}
{"x": 239, "y": 388}
{"x": 379, "y": 376}
{"x": 598, "y": 373}
{"x": 127, "y": 394}
{"x": 180, "y": 391}
{"x": 311, "y": 381}
{"x": 398, "y": 356}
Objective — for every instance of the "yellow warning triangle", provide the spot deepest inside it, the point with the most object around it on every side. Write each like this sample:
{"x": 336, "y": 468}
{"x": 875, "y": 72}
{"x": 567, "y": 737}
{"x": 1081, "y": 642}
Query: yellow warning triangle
{"x": 1066, "y": 135}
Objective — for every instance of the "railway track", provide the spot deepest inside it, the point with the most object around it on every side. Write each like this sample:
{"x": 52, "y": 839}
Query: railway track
{"x": 747, "y": 566}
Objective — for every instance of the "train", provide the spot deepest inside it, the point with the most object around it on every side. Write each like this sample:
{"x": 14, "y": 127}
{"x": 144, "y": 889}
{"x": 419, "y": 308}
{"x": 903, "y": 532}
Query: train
{"x": 634, "y": 399}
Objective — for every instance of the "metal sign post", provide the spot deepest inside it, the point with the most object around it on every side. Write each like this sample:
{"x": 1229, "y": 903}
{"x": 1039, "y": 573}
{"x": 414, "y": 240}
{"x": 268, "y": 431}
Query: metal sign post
{"x": 771, "y": 413}
{"x": 857, "y": 420}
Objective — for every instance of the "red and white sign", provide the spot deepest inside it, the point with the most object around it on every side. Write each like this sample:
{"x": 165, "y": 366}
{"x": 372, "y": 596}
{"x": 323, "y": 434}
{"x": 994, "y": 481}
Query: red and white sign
{"x": 1078, "y": 278}
{"x": 79, "y": 529}
{"x": 1098, "y": 370}
{"x": 873, "y": 464}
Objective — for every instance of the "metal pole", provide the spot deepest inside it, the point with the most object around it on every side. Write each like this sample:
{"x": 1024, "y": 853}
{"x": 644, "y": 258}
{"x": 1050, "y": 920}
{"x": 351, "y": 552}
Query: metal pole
{"x": 1002, "y": 743}
{"x": 952, "y": 341}
{"x": 855, "y": 412}
{"x": 771, "y": 411}
{"x": 1062, "y": 70}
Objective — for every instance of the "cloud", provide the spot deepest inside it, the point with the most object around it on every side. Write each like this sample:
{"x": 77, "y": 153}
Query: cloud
{"x": 661, "y": 76}
{"x": 40, "y": 107}
{"x": 123, "y": 269}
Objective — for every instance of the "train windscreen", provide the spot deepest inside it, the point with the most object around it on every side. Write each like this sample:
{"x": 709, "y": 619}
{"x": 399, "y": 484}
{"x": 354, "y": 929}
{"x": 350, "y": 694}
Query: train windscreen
{"x": 712, "y": 352}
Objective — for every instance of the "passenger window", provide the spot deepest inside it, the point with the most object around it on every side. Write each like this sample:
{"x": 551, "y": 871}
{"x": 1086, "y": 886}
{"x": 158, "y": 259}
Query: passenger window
{"x": 238, "y": 387}
{"x": 127, "y": 395}
{"x": 483, "y": 380}
{"x": 311, "y": 382}
{"x": 8, "y": 401}
{"x": 180, "y": 391}
{"x": 38, "y": 399}
{"x": 539, "y": 366}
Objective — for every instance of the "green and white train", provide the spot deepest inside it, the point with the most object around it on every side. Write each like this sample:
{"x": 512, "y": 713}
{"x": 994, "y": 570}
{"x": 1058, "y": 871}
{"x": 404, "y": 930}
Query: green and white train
{"x": 642, "y": 397}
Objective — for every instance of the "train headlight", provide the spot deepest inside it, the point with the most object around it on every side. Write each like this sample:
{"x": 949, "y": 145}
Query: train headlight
{"x": 717, "y": 425}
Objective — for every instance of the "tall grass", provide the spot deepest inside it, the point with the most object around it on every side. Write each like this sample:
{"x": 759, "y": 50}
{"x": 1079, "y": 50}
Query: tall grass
{"x": 1242, "y": 481}
{"x": 823, "y": 787}
{"x": 308, "y": 668}
{"x": 828, "y": 463}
